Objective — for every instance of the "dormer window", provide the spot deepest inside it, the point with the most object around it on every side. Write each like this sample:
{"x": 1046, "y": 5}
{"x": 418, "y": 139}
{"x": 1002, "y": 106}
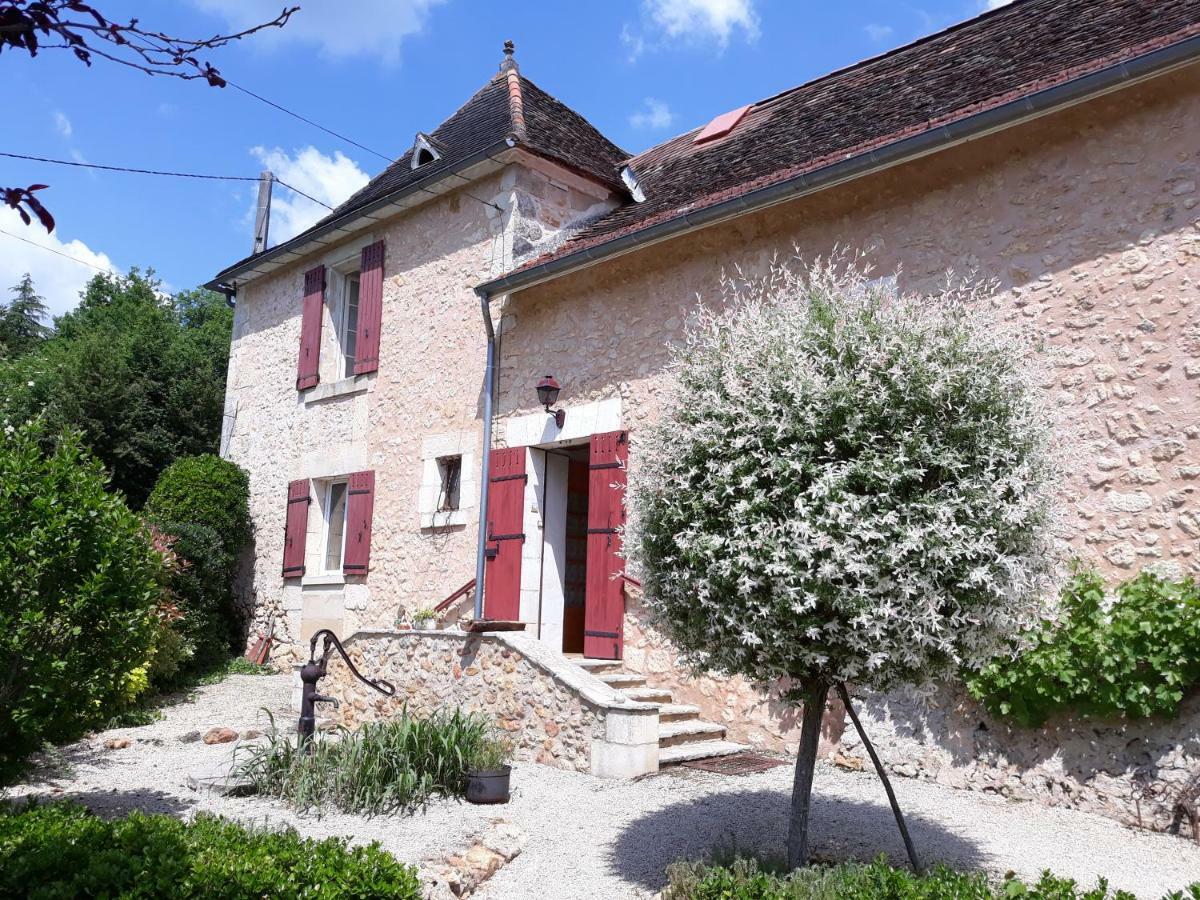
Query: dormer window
{"x": 631, "y": 181}
{"x": 424, "y": 151}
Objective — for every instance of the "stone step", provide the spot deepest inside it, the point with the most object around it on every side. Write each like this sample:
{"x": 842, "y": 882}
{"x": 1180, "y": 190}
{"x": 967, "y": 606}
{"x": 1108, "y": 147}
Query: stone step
{"x": 622, "y": 680}
{"x": 647, "y": 694}
{"x": 688, "y": 731}
{"x": 676, "y": 711}
{"x": 697, "y": 750}
{"x": 596, "y": 666}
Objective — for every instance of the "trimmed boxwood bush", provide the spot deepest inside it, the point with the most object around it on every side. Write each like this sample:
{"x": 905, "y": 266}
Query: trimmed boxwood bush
{"x": 743, "y": 879}
{"x": 201, "y": 505}
{"x": 205, "y": 490}
{"x": 79, "y": 589}
{"x": 60, "y": 850}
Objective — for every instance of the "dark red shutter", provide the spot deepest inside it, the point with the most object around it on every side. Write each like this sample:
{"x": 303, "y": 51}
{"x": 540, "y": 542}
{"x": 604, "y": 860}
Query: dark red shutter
{"x": 370, "y": 308}
{"x": 604, "y": 599}
{"x": 295, "y": 529}
{"x": 505, "y": 537}
{"x": 360, "y": 505}
{"x": 307, "y": 370}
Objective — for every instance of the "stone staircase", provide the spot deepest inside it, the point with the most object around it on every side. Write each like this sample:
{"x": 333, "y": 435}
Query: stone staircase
{"x": 682, "y": 734}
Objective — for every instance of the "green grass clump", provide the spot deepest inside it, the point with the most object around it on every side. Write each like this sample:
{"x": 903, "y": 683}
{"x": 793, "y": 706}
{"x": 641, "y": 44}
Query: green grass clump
{"x": 391, "y": 766}
{"x": 60, "y": 850}
{"x": 745, "y": 879}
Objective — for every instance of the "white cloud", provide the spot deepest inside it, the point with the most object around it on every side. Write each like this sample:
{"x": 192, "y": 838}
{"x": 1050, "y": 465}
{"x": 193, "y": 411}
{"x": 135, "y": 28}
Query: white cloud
{"x": 330, "y": 179}
{"x": 704, "y": 19}
{"x": 877, "y": 32}
{"x": 338, "y": 29}
{"x": 655, "y": 115}
{"x": 62, "y": 124}
{"x": 56, "y": 278}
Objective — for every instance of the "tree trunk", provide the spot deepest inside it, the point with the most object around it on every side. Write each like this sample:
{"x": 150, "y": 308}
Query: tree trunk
{"x": 806, "y": 761}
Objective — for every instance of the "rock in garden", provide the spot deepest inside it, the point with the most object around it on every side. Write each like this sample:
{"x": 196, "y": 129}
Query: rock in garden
{"x": 117, "y": 743}
{"x": 220, "y": 736}
{"x": 189, "y": 737}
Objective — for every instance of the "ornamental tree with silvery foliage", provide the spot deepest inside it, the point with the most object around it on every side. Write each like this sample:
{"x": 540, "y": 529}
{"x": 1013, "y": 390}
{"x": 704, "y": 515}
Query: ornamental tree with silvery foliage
{"x": 847, "y": 484}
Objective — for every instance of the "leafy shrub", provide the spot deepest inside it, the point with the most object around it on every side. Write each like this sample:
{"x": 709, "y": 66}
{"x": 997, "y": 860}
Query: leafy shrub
{"x": 208, "y": 491}
{"x": 60, "y": 850}
{"x": 79, "y": 583}
{"x": 391, "y": 766}
{"x": 743, "y": 879}
{"x": 201, "y": 505}
{"x": 1134, "y": 654}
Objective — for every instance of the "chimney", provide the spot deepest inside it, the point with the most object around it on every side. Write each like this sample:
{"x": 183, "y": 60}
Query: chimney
{"x": 262, "y": 218}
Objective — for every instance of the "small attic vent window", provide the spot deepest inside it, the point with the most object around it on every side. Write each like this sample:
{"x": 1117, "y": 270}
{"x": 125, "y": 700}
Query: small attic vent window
{"x": 423, "y": 151}
{"x": 721, "y": 125}
{"x": 631, "y": 181}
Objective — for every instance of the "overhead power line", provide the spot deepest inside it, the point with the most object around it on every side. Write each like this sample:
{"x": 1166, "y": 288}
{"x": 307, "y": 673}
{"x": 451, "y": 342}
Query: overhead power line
{"x": 82, "y": 262}
{"x": 296, "y": 115}
{"x": 136, "y": 171}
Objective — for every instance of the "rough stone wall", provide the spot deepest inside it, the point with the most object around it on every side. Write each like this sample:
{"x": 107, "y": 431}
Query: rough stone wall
{"x": 441, "y": 670}
{"x": 1089, "y": 221}
{"x": 428, "y": 386}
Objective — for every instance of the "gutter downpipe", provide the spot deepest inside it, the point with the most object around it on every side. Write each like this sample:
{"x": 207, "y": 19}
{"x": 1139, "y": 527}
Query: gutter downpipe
{"x": 1044, "y": 101}
{"x": 489, "y": 379}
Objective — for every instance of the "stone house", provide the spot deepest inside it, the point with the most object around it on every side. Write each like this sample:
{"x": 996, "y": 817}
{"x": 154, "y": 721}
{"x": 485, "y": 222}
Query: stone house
{"x": 385, "y": 365}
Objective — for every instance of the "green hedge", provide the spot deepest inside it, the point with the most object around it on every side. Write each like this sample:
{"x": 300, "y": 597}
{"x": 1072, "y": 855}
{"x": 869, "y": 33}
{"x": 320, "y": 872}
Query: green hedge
{"x": 60, "y": 850}
{"x": 1135, "y": 654}
{"x": 201, "y": 505}
{"x": 79, "y": 589}
{"x": 743, "y": 879}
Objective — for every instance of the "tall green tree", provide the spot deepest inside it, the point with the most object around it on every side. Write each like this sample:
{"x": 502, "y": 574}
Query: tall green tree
{"x": 140, "y": 374}
{"x": 23, "y": 319}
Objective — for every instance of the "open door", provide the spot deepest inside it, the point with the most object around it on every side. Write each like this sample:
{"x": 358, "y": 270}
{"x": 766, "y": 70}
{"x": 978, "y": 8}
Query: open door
{"x": 604, "y": 601}
{"x": 505, "y": 537}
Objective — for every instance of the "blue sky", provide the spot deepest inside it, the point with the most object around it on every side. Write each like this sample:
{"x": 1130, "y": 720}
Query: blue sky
{"x": 376, "y": 71}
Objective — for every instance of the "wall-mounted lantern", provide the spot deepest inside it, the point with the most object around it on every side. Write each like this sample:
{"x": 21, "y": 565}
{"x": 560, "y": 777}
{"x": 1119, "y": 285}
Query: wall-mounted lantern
{"x": 547, "y": 391}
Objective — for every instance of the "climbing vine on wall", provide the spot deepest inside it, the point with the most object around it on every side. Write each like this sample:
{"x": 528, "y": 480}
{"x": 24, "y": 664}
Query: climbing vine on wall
{"x": 1134, "y": 653}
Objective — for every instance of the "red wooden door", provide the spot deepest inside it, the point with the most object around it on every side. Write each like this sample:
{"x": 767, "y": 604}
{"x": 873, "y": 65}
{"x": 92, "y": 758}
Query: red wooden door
{"x": 505, "y": 537}
{"x": 604, "y": 601}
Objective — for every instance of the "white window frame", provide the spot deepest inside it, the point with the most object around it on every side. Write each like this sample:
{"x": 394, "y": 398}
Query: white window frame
{"x": 339, "y": 311}
{"x": 327, "y": 486}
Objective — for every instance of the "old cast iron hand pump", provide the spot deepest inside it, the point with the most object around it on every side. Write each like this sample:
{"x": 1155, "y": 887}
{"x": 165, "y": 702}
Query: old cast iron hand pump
{"x": 314, "y": 670}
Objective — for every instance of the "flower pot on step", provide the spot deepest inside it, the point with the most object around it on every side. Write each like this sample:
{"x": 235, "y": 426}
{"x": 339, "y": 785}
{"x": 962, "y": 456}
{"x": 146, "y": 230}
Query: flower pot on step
{"x": 488, "y": 785}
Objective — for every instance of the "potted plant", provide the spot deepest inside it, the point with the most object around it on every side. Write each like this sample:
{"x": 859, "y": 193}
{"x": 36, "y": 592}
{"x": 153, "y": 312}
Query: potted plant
{"x": 488, "y": 772}
{"x": 424, "y": 617}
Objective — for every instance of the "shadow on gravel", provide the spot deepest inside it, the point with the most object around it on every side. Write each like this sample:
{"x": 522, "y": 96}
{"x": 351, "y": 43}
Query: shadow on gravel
{"x": 110, "y": 804}
{"x": 755, "y": 824}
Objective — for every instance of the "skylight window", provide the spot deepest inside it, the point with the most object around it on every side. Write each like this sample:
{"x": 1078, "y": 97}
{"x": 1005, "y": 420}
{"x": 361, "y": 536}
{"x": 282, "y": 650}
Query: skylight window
{"x": 721, "y": 125}
{"x": 631, "y": 181}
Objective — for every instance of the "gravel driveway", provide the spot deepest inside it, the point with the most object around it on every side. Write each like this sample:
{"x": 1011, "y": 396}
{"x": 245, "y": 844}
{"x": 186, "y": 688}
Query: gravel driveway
{"x": 592, "y": 838}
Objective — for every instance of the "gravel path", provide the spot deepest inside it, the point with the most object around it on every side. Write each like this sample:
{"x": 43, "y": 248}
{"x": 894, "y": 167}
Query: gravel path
{"x": 592, "y": 838}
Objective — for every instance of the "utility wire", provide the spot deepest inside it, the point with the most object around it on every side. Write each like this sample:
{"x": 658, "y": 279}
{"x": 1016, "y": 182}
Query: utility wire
{"x": 294, "y": 115}
{"x": 134, "y": 171}
{"x": 83, "y": 262}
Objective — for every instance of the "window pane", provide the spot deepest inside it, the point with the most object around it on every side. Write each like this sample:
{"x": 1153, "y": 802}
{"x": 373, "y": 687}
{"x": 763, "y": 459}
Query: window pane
{"x": 450, "y": 468}
{"x": 350, "y": 330}
{"x": 335, "y": 526}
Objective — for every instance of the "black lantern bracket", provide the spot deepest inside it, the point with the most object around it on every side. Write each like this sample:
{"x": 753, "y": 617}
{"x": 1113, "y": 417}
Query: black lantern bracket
{"x": 547, "y": 391}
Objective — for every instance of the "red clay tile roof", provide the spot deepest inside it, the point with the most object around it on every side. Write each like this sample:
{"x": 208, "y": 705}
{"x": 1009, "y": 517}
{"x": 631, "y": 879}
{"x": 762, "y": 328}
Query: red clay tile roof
{"x": 982, "y": 63}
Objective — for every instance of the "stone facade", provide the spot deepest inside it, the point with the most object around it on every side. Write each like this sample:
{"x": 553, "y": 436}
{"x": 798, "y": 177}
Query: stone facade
{"x": 425, "y": 396}
{"x": 1089, "y": 220}
{"x": 554, "y": 712}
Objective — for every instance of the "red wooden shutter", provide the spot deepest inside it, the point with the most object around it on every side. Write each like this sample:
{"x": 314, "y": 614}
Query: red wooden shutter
{"x": 604, "y": 599}
{"x": 505, "y": 520}
{"x": 307, "y": 371}
{"x": 360, "y": 504}
{"x": 370, "y": 308}
{"x": 295, "y": 529}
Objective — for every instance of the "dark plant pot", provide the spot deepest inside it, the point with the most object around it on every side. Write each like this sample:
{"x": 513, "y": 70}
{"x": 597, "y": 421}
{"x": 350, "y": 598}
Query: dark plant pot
{"x": 488, "y": 785}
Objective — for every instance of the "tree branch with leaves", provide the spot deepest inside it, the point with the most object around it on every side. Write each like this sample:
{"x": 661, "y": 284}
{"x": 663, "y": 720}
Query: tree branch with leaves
{"x": 35, "y": 25}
